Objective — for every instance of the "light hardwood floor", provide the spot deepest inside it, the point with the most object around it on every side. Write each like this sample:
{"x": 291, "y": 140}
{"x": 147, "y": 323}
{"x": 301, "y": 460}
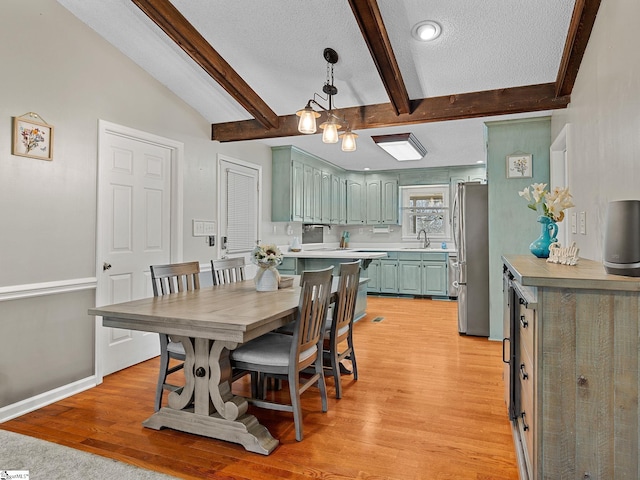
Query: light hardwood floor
{"x": 428, "y": 405}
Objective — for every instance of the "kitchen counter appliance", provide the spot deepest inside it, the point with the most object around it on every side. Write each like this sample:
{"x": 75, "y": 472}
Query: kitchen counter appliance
{"x": 471, "y": 236}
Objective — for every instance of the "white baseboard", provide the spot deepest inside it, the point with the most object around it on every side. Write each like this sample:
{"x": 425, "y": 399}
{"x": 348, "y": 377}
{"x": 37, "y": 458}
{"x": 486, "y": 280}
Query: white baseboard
{"x": 30, "y": 404}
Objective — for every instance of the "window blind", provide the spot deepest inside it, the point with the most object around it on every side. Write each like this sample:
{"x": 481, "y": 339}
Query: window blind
{"x": 242, "y": 202}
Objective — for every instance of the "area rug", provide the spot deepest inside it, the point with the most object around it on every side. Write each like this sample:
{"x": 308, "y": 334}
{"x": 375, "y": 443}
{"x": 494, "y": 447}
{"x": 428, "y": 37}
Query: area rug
{"x": 42, "y": 460}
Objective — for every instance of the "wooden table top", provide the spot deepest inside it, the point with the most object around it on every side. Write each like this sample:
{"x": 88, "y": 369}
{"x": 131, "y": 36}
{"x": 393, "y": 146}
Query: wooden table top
{"x": 234, "y": 312}
{"x": 587, "y": 274}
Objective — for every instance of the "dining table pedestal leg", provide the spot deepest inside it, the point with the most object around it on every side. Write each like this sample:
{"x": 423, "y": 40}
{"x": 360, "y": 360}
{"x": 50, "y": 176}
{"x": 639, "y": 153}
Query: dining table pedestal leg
{"x": 205, "y": 405}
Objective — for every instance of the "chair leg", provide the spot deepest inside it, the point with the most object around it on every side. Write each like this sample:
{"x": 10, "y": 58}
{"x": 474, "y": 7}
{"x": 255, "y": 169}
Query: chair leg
{"x": 352, "y": 357}
{"x": 162, "y": 378}
{"x": 294, "y": 391}
{"x": 335, "y": 370}
{"x": 321, "y": 384}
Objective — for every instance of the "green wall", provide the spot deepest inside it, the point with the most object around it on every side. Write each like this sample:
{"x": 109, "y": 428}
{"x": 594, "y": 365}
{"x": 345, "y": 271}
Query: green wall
{"x": 512, "y": 226}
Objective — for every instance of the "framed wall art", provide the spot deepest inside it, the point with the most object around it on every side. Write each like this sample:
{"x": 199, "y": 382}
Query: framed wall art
{"x": 519, "y": 165}
{"x": 32, "y": 137}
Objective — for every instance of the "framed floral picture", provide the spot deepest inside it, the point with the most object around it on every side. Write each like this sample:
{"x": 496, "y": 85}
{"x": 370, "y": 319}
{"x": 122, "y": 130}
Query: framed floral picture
{"x": 520, "y": 165}
{"x": 32, "y": 139}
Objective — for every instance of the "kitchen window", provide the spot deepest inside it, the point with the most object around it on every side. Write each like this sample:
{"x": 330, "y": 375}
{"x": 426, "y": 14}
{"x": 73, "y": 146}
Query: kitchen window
{"x": 425, "y": 207}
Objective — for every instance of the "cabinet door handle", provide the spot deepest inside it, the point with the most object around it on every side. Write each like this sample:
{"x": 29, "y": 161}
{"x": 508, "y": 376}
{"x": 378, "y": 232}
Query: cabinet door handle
{"x": 504, "y": 340}
{"x": 523, "y": 374}
{"x": 523, "y": 321}
{"x": 525, "y": 427}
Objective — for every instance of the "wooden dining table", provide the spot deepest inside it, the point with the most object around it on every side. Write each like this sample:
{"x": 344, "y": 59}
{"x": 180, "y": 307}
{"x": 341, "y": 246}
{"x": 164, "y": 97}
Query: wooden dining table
{"x": 210, "y": 322}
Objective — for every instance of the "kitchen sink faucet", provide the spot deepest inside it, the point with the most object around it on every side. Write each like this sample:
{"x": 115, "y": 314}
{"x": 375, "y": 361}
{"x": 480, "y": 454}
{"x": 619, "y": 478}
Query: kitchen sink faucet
{"x": 427, "y": 242}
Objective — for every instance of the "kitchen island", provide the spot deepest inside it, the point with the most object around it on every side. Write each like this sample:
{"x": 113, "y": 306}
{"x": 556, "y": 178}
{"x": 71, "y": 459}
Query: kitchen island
{"x": 294, "y": 263}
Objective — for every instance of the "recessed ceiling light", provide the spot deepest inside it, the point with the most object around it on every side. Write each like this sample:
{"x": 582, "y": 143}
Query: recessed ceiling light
{"x": 426, "y": 31}
{"x": 479, "y": 161}
{"x": 367, "y": 168}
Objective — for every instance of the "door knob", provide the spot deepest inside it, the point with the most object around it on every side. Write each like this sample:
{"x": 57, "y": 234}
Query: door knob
{"x": 106, "y": 266}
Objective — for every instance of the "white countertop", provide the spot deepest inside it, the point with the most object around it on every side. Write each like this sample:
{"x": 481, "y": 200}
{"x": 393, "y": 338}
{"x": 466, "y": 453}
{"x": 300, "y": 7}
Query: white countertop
{"x": 354, "y": 253}
{"x": 359, "y": 252}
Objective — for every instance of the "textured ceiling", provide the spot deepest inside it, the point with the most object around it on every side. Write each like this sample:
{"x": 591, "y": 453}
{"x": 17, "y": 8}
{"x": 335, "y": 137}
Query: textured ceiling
{"x": 277, "y": 48}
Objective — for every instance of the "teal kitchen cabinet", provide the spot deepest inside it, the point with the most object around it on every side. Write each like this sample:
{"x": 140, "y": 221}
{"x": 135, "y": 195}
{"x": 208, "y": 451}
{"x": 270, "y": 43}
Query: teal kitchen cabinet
{"x": 289, "y": 266}
{"x": 382, "y": 199}
{"x": 338, "y": 200}
{"x": 421, "y": 273}
{"x": 301, "y": 188}
{"x": 434, "y": 279}
{"x": 389, "y": 273}
{"x": 356, "y": 199}
{"x": 325, "y": 197}
{"x": 373, "y": 274}
{"x": 410, "y": 276}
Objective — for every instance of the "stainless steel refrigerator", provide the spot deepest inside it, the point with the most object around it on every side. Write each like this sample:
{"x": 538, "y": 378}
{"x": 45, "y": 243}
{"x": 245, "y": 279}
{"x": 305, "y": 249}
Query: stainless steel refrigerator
{"x": 471, "y": 237}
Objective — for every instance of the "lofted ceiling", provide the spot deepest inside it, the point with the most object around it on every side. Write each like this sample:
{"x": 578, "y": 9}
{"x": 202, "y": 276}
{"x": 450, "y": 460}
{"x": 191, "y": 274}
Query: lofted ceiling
{"x": 247, "y": 66}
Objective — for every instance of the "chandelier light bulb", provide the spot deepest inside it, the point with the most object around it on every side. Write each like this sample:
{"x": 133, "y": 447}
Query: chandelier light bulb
{"x": 330, "y": 133}
{"x": 349, "y": 141}
{"x": 307, "y": 122}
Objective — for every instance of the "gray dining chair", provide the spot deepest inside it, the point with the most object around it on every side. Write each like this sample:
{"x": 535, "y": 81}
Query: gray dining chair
{"x": 287, "y": 356}
{"x": 228, "y": 270}
{"x": 338, "y": 336}
{"x": 165, "y": 279}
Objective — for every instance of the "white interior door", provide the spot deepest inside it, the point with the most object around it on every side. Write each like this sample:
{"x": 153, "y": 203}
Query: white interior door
{"x": 134, "y": 232}
{"x": 240, "y": 206}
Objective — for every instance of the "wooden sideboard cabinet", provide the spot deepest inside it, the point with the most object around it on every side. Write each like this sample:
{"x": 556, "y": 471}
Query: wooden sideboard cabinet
{"x": 572, "y": 359}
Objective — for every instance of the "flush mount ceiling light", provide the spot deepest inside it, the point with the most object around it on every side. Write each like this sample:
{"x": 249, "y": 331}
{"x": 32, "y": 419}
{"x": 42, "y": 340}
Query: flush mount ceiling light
{"x": 308, "y": 116}
{"x": 426, "y": 31}
{"x": 401, "y": 146}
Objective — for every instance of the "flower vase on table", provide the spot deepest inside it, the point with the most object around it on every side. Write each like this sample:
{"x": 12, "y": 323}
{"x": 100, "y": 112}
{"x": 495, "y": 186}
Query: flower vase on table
{"x": 267, "y": 257}
{"x": 550, "y": 206}
{"x": 267, "y": 279}
{"x": 540, "y": 246}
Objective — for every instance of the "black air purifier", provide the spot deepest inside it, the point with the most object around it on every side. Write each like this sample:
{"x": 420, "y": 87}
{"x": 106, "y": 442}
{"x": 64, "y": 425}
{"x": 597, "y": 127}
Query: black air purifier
{"x": 622, "y": 238}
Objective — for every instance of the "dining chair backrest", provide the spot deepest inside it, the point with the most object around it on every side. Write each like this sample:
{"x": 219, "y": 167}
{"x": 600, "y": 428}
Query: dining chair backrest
{"x": 312, "y": 310}
{"x": 175, "y": 277}
{"x": 344, "y": 308}
{"x": 165, "y": 279}
{"x": 228, "y": 270}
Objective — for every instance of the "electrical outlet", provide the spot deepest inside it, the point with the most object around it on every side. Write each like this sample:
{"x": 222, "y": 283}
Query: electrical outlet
{"x": 583, "y": 223}
{"x": 574, "y": 222}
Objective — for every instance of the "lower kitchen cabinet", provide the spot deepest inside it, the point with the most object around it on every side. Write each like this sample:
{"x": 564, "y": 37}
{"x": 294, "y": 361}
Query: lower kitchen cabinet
{"x": 410, "y": 273}
{"x": 389, "y": 274}
{"x": 289, "y": 266}
{"x": 434, "y": 278}
{"x": 422, "y": 273}
{"x": 572, "y": 348}
{"x": 372, "y": 272}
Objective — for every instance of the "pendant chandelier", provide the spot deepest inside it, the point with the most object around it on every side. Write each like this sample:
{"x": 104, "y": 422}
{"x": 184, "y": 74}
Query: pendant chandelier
{"x": 333, "y": 123}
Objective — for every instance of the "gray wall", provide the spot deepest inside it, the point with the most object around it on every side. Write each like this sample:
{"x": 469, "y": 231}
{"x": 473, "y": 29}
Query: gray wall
{"x": 54, "y": 65}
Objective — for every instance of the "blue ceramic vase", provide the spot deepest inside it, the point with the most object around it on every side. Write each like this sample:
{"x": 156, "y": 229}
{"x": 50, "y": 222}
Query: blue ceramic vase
{"x": 540, "y": 246}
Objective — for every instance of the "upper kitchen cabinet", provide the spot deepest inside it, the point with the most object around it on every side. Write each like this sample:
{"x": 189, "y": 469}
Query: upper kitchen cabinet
{"x": 356, "y": 199}
{"x": 301, "y": 190}
{"x": 382, "y": 198}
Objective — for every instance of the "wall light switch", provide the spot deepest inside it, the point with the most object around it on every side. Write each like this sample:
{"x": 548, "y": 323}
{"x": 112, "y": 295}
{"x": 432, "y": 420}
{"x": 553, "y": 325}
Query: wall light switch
{"x": 583, "y": 223}
{"x": 574, "y": 222}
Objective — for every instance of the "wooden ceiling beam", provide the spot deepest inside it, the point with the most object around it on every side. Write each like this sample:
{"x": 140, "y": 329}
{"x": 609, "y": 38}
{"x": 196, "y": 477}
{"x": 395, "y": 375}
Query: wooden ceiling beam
{"x": 176, "y": 26}
{"x": 582, "y": 20}
{"x": 504, "y": 101}
{"x": 369, "y": 18}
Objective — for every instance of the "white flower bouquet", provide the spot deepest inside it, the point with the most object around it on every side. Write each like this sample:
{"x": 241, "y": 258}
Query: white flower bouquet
{"x": 552, "y": 204}
{"x": 266, "y": 256}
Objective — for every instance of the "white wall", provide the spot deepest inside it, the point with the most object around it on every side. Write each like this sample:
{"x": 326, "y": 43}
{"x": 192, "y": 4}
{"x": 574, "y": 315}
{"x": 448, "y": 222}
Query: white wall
{"x": 604, "y": 143}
